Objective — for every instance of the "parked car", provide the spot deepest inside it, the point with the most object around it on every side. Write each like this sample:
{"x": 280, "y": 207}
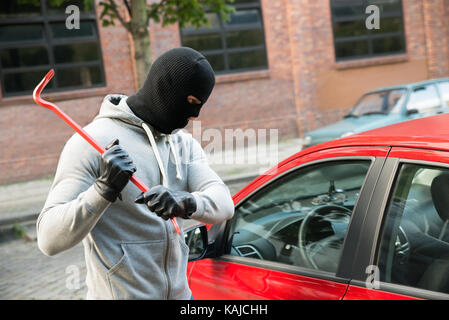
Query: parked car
{"x": 362, "y": 217}
{"x": 387, "y": 106}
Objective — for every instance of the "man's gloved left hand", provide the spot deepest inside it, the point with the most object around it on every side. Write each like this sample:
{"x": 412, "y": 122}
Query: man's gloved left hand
{"x": 167, "y": 203}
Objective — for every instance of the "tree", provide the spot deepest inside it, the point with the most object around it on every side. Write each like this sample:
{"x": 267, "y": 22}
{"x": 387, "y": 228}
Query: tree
{"x": 166, "y": 11}
{"x": 137, "y": 14}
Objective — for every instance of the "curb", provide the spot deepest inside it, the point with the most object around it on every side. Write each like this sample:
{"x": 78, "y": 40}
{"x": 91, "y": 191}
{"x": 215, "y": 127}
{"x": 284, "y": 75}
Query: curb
{"x": 239, "y": 178}
{"x": 25, "y": 230}
{"x": 8, "y": 223}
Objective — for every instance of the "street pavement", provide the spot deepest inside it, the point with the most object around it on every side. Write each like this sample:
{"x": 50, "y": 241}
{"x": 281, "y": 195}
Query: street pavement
{"x": 27, "y": 274}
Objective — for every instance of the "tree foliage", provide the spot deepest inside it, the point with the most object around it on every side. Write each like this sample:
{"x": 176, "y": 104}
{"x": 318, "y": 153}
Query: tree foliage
{"x": 184, "y": 12}
{"x": 192, "y": 12}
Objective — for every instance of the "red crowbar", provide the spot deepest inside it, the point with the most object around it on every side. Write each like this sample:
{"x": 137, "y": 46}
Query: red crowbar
{"x": 46, "y": 104}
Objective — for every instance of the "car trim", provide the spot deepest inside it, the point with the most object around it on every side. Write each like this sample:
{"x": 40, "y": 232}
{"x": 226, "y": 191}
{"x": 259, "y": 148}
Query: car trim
{"x": 351, "y": 242}
{"x": 216, "y": 240}
{"x": 367, "y": 253}
{"x": 372, "y": 221}
{"x": 254, "y": 251}
{"x": 282, "y": 267}
{"x": 344, "y": 268}
{"x": 404, "y": 290}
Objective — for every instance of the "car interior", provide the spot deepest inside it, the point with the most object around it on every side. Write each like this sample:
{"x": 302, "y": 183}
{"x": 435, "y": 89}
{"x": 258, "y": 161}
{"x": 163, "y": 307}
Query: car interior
{"x": 301, "y": 218}
{"x": 414, "y": 249}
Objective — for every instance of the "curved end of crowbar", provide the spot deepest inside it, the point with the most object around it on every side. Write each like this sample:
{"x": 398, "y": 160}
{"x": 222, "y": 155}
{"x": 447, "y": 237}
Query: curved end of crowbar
{"x": 38, "y": 90}
{"x": 37, "y": 98}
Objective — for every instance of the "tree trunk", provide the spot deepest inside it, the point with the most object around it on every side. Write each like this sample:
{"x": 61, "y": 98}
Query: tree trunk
{"x": 141, "y": 39}
{"x": 142, "y": 55}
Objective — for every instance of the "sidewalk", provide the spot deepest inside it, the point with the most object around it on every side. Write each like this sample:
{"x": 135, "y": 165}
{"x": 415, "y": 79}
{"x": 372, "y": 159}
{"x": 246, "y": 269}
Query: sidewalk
{"x": 23, "y": 201}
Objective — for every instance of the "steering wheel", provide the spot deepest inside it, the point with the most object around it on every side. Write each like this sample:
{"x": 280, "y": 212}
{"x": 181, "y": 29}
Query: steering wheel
{"x": 305, "y": 250}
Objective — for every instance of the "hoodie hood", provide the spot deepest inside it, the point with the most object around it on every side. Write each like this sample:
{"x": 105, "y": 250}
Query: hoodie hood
{"x": 173, "y": 76}
{"x": 114, "y": 106}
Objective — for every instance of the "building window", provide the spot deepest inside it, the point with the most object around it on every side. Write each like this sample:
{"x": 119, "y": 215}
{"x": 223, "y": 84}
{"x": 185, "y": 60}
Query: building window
{"x": 352, "y": 38}
{"x": 231, "y": 46}
{"x": 34, "y": 38}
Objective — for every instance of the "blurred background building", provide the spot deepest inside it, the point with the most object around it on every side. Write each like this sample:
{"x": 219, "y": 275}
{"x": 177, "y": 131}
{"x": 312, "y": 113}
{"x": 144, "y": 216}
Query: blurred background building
{"x": 293, "y": 65}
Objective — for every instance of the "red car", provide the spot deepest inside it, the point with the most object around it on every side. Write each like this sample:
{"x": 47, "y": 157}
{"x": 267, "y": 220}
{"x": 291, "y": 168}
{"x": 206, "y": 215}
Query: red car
{"x": 363, "y": 217}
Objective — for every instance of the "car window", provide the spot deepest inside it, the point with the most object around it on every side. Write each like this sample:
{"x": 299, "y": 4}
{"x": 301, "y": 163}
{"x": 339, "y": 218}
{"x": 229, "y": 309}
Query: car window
{"x": 424, "y": 99}
{"x": 382, "y": 102}
{"x": 301, "y": 218}
{"x": 414, "y": 246}
{"x": 395, "y": 101}
{"x": 444, "y": 91}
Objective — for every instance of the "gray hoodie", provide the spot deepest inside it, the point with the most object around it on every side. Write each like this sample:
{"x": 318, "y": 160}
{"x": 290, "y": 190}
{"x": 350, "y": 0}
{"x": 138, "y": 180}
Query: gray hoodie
{"x": 130, "y": 252}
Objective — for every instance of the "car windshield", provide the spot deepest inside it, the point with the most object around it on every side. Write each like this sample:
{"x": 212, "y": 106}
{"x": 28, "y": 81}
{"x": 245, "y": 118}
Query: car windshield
{"x": 382, "y": 102}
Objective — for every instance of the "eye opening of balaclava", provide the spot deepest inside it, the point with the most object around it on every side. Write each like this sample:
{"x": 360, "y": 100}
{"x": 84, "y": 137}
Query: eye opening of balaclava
{"x": 176, "y": 74}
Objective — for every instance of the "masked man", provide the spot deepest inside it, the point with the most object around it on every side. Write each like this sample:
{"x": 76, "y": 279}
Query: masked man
{"x": 132, "y": 250}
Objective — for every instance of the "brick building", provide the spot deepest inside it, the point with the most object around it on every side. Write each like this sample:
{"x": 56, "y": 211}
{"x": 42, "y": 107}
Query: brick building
{"x": 294, "y": 65}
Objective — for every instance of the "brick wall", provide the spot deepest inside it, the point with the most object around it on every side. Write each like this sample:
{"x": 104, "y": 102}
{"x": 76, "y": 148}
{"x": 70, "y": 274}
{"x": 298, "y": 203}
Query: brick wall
{"x": 32, "y": 137}
{"x": 261, "y": 99}
{"x": 435, "y": 28}
{"x": 256, "y": 100}
{"x": 325, "y": 89}
{"x": 303, "y": 88}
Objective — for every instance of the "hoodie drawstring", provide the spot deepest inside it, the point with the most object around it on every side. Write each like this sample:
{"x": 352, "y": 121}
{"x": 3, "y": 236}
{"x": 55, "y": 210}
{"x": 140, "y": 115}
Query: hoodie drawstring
{"x": 158, "y": 157}
{"x": 175, "y": 156}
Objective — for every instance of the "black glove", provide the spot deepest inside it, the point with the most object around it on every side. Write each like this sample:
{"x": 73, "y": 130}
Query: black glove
{"x": 167, "y": 203}
{"x": 116, "y": 168}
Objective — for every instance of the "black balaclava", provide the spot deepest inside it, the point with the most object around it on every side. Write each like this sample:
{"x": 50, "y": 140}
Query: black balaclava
{"x": 162, "y": 100}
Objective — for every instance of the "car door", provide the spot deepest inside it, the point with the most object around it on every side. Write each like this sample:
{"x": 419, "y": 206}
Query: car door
{"x": 405, "y": 251}
{"x": 294, "y": 231}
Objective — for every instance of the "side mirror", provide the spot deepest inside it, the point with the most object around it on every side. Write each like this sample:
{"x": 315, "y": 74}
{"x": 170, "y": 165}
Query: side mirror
{"x": 412, "y": 111}
{"x": 196, "y": 239}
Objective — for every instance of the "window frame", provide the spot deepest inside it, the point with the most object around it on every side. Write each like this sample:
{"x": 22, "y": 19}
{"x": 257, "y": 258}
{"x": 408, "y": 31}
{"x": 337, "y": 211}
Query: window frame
{"x": 49, "y": 42}
{"x": 368, "y": 247}
{"x": 369, "y": 37}
{"x": 222, "y": 30}
{"x": 353, "y": 232}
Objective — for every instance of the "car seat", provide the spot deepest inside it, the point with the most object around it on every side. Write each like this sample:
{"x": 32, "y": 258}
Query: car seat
{"x": 436, "y": 276}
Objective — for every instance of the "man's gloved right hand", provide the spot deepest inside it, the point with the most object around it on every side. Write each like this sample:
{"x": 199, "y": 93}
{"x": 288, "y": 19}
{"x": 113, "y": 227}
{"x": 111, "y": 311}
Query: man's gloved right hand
{"x": 116, "y": 168}
{"x": 167, "y": 203}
